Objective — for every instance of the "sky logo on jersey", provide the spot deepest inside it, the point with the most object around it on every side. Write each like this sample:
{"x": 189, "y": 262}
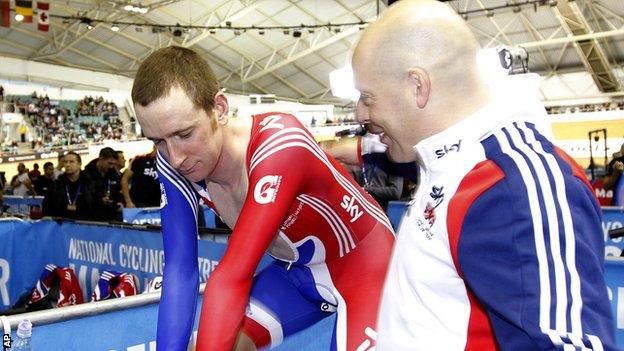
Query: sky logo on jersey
{"x": 150, "y": 172}
{"x": 271, "y": 122}
{"x": 348, "y": 203}
{"x": 448, "y": 148}
{"x": 163, "y": 196}
{"x": 266, "y": 189}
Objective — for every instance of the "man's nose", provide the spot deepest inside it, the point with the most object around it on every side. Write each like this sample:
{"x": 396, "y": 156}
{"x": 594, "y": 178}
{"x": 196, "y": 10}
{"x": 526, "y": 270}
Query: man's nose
{"x": 176, "y": 157}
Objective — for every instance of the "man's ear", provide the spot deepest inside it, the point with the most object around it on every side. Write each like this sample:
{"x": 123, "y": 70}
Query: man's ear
{"x": 420, "y": 85}
{"x": 221, "y": 108}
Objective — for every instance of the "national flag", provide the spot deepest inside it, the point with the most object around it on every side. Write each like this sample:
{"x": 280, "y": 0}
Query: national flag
{"x": 5, "y": 13}
{"x": 43, "y": 16}
{"x": 24, "y": 8}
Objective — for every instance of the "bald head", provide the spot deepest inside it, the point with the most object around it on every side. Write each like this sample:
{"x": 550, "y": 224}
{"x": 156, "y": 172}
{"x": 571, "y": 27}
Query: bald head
{"x": 417, "y": 73}
{"x": 419, "y": 33}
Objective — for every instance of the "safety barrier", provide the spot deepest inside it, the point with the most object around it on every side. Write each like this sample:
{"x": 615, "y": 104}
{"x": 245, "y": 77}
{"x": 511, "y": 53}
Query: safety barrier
{"x": 18, "y": 205}
{"x": 89, "y": 248}
{"x": 129, "y": 324}
{"x": 151, "y": 215}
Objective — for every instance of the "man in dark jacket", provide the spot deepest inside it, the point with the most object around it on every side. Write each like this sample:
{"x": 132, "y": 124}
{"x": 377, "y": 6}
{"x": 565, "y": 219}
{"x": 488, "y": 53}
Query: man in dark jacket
{"x": 45, "y": 182}
{"x": 73, "y": 194}
{"x": 107, "y": 185}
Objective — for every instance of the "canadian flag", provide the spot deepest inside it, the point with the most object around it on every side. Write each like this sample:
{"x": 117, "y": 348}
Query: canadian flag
{"x": 43, "y": 9}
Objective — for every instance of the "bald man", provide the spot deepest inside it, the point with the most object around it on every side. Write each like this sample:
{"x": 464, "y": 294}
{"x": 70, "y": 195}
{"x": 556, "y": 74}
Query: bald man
{"x": 501, "y": 247}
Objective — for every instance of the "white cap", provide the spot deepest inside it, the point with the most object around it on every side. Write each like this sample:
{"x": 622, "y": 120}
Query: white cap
{"x": 24, "y": 329}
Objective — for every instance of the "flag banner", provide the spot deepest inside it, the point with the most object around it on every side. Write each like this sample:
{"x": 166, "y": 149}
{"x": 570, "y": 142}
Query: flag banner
{"x": 24, "y": 8}
{"x": 5, "y": 13}
{"x": 43, "y": 18}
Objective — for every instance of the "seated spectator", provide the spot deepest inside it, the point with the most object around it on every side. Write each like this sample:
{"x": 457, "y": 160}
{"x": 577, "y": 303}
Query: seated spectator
{"x": 107, "y": 185}
{"x": 45, "y": 182}
{"x": 139, "y": 183}
{"x": 73, "y": 195}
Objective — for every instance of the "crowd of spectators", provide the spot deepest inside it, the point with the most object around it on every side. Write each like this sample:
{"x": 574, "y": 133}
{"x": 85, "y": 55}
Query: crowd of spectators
{"x": 93, "y": 119}
{"x": 92, "y": 193}
{"x": 607, "y": 106}
{"x": 98, "y": 191}
{"x": 90, "y": 106}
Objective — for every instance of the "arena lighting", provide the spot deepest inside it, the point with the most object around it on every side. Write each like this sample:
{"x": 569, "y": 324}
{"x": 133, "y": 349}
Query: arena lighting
{"x": 514, "y": 59}
{"x": 162, "y": 27}
{"x": 136, "y": 9}
{"x": 19, "y": 17}
{"x": 115, "y": 28}
{"x": 341, "y": 83}
{"x": 87, "y": 21}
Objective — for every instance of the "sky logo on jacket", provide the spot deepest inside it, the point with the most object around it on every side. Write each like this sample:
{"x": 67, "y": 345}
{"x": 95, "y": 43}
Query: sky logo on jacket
{"x": 448, "y": 148}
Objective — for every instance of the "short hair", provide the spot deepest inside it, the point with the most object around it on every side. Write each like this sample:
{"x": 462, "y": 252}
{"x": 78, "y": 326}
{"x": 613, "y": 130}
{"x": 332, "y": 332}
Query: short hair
{"x": 48, "y": 164}
{"x": 107, "y": 153}
{"x": 175, "y": 66}
{"x": 118, "y": 152}
{"x": 75, "y": 154}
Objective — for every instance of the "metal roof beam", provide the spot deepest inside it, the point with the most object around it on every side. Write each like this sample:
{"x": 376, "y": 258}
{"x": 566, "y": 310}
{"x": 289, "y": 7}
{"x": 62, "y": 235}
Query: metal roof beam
{"x": 498, "y": 28}
{"x": 573, "y": 38}
{"x": 535, "y": 34}
{"x": 313, "y": 40}
{"x": 590, "y": 51}
{"x": 263, "y": 41}
{"x": 233, "y": 17}
{"x": 334, "y": 38}
{"x": 245, "y": 57}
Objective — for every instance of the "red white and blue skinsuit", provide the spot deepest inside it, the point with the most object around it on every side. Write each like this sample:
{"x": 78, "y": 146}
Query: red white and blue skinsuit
{"x": 339, "y": 244}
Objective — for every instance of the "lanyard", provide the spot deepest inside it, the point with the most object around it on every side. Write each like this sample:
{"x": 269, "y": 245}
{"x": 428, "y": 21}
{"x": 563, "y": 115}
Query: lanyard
{"x": 69, "y": 199}
{"x": 372, "y": 170}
